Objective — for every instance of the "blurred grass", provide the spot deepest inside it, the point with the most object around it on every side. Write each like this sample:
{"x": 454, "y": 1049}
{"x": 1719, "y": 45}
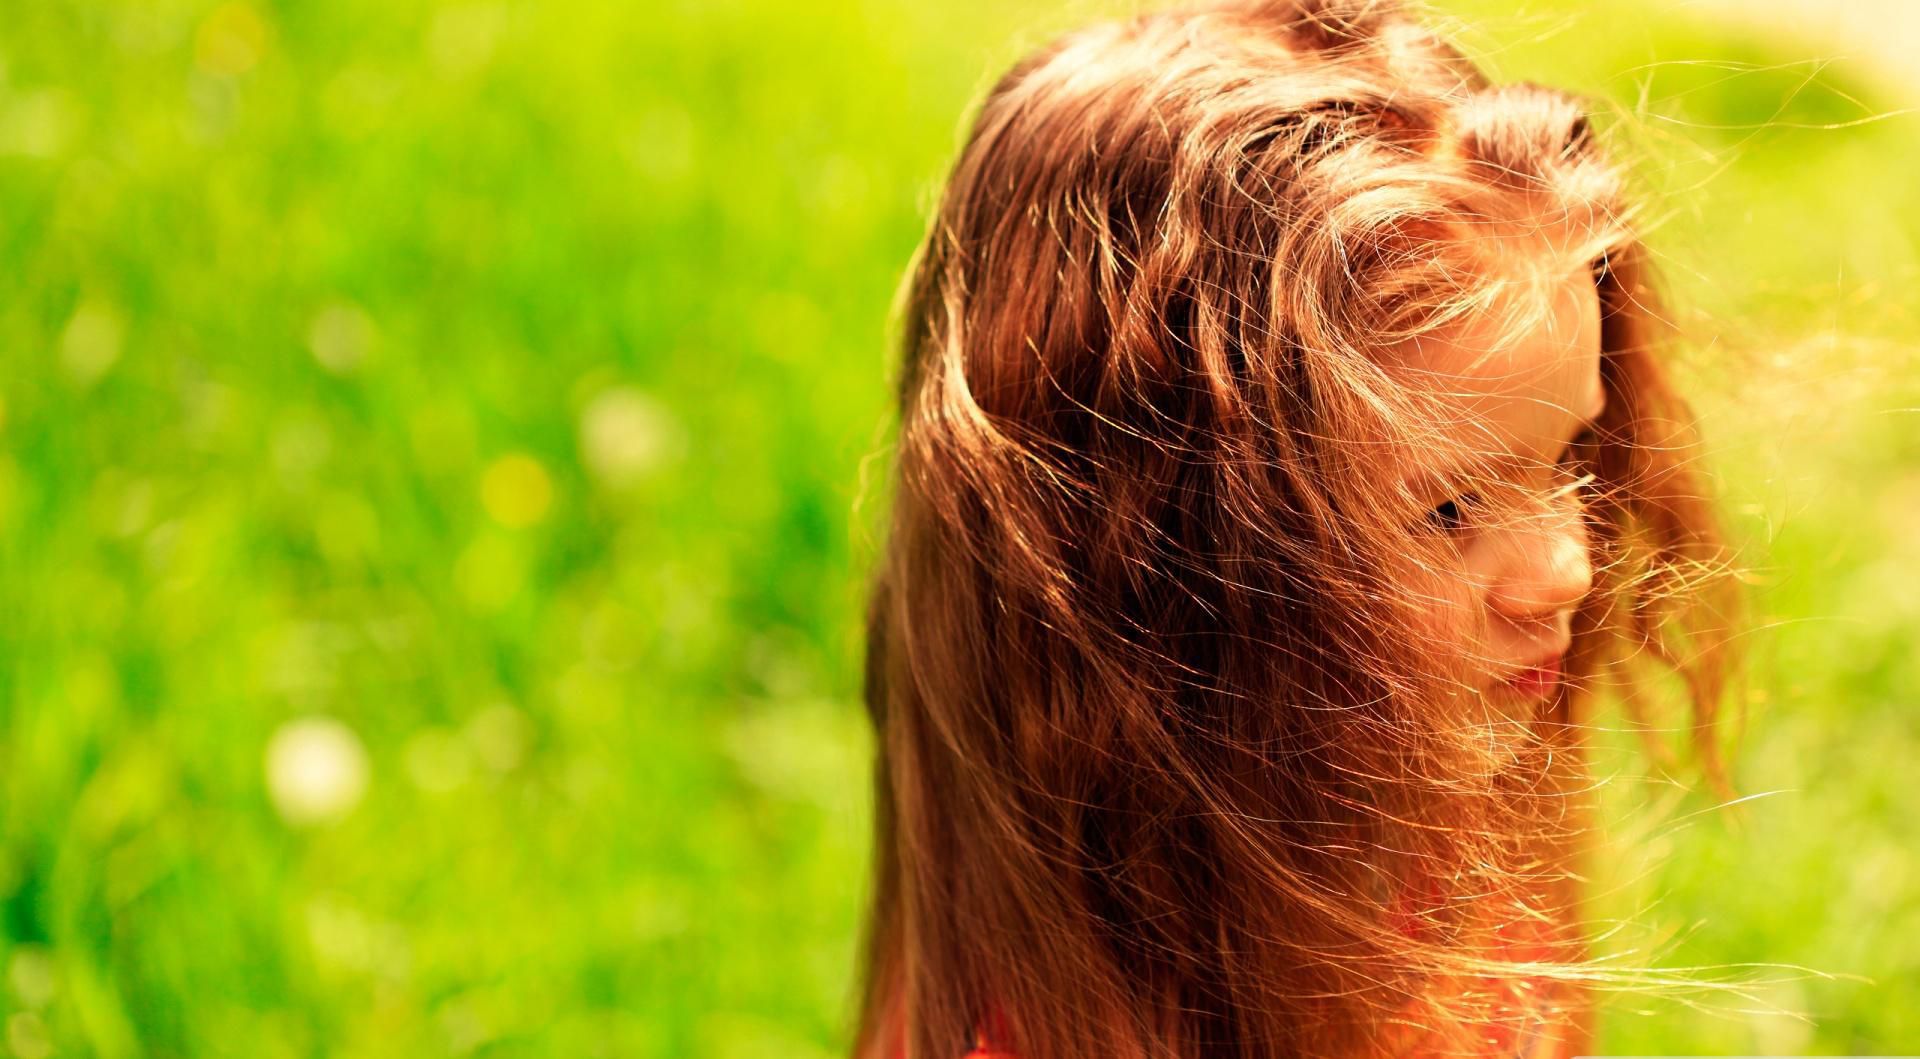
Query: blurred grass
{"x": 500, "y": 385}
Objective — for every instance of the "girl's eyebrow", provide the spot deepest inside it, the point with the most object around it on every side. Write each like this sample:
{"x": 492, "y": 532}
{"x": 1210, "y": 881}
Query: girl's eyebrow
{"x": 1432, "y": 481}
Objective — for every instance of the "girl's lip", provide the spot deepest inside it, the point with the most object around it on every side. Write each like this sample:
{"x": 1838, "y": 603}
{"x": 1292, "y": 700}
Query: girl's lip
{"x": 1536, "y": 680}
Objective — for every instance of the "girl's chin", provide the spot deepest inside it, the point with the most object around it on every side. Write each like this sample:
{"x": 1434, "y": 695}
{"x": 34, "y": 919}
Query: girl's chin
{"x": 1508, "y": 728}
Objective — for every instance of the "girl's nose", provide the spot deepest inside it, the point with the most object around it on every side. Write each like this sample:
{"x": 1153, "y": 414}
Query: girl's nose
{"x": 1548, "y": 570}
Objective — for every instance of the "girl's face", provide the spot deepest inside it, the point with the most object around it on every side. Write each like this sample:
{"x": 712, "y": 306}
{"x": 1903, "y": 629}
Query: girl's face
{"x": 1499, "y": 484}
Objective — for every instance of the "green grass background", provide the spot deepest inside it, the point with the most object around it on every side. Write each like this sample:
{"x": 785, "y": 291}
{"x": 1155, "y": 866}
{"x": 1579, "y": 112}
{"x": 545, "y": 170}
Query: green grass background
{"x": 507, "y": 384}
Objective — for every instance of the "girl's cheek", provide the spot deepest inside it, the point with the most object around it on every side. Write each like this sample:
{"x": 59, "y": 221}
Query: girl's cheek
{"x": 1449, "y": 606}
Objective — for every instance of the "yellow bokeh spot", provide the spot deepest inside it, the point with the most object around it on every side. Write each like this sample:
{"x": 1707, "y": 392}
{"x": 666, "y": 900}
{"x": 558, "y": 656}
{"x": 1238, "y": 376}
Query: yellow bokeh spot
{"x": 230, "y": 40}
{"x": 516, "y": 490}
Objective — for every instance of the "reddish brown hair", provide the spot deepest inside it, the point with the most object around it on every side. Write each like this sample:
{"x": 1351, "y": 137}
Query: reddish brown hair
{"x": 1164, "y": 766}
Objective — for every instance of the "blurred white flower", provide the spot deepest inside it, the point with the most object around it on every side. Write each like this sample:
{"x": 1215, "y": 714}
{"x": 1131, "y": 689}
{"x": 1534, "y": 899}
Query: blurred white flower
{"x": 316, "y": 770}
{"x": 624, "y": 434}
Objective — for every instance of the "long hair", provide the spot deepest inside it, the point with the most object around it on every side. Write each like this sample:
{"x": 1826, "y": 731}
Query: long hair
{"x": 1165, "y": 763}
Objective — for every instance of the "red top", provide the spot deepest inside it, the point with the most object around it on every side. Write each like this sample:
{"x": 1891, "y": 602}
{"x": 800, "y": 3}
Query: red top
{"x": 1526, "y": 1029}
{"x": 1529, "y": 1024}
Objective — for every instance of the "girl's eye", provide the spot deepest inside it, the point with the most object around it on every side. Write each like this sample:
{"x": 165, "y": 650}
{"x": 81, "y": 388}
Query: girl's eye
{"x": 1452, "y": 516}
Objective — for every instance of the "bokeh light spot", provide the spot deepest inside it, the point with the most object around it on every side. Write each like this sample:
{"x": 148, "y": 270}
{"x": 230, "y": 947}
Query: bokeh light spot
{"x": 38, "y": 124}
{"x": 27, "y": 1036}
{"x": 230, "y": 41}
{"x": 91, "y": 342}
{"x": 498, "y": 735}
{"x": 462, "y": 39}
{"x": 516, "y": 490}
{"x": 30, "y": 973}
{"x": 316, "y": 770}
{"x": 626, "y": 435}
{"x": 339, "y": 337}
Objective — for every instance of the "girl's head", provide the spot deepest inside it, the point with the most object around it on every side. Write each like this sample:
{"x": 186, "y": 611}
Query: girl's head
{"x": 1283, "y": 453}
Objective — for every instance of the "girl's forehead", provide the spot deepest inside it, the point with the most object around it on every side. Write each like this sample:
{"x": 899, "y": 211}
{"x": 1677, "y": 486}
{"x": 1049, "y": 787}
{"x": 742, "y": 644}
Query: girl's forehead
{"x": 1534, "y": 331}
{"x": 1510, "y": 380}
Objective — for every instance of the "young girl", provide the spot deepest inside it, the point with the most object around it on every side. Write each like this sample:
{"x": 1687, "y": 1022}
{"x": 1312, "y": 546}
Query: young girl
{"x": 1284, "y": 460}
